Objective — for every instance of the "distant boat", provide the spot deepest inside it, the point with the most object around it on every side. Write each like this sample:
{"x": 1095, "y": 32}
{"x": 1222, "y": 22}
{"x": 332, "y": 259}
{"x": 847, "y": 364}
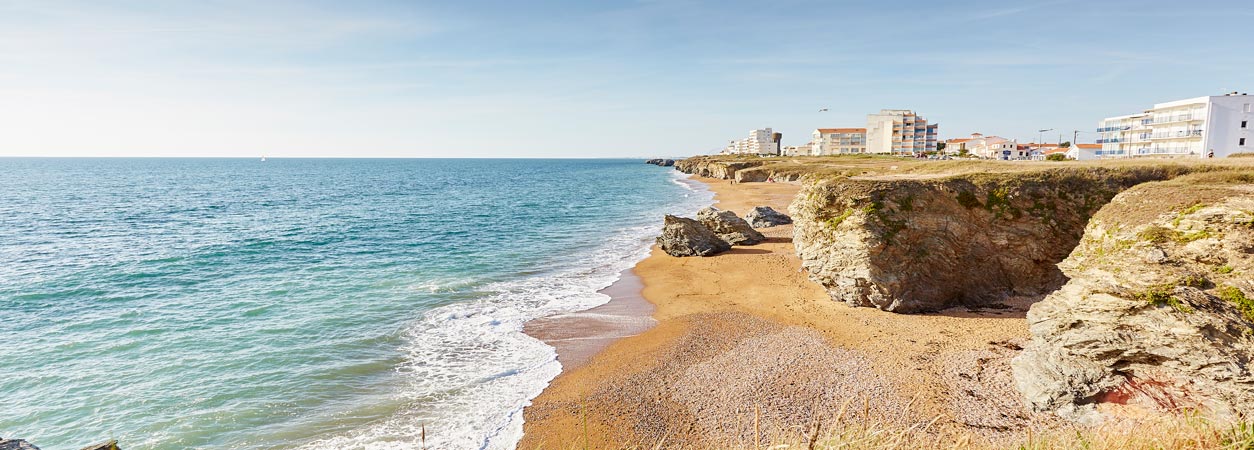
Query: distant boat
{"x": 263, "y": 159}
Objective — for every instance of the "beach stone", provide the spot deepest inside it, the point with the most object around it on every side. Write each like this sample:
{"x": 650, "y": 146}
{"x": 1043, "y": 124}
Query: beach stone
{"x": 16, "y": 444}
{"x": 682, "y": 236}
{"x": 765, "y": 217}
{"x": 106, "y": 445}
{"x": 729, "y": 227}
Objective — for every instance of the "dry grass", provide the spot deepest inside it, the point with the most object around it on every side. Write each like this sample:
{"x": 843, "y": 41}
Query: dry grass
{"x": 877, "y": 166}
{"x": 1176, "y": 432}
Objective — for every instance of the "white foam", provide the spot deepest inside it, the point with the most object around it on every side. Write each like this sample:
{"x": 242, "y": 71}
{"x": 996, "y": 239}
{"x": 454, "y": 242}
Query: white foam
{"x": 470, "y": 370}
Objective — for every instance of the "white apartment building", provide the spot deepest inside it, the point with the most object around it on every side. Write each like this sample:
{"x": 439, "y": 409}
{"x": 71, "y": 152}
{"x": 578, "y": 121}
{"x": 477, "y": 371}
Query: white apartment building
{"x": 899, "y": 132}
{"x": 1192, "y": 127}
{"x": 838, "y": 141}
{"x": 762, "y": 141}
{"x": 981, "y": 146}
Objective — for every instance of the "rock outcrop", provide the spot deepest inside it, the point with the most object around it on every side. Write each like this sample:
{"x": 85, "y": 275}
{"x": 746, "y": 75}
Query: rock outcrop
{"x": 19, "y": 444}
{"x": 661, "y": 162}
{"x": 924, "y": 244}
{"x": 765, "y": 217}
{"x": 16, "y": 444}
{"x": 682, "y": 236}
{"x": 709, "y": 167}
{"x": 1159, "y": 307}
{"x": 729, "y": 227}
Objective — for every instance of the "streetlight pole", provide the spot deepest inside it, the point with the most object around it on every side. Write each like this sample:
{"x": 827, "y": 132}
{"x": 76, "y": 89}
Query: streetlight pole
{"x": 1041, "y": 136}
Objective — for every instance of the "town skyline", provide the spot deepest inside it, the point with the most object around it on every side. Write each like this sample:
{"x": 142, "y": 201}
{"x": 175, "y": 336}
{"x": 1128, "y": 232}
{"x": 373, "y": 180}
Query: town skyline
{"x": 569, "y": 79}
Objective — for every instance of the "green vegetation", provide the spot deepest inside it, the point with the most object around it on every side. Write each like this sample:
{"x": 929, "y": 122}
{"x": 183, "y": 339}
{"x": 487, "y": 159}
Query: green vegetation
{"x": 1056, "y": 157}
{"x": 1162, "y": 235}
{"x": 1161, "y": 295}
{"x": 1196, "y": 281}
{"x": 1232, "y": 294}
{"x": 998, "y": 202}
{"x": 1190, "y": 210}
{"x": 834, "y": 222}
{"x": 1223, "y": 270}
{"x": 1247, "y": 221}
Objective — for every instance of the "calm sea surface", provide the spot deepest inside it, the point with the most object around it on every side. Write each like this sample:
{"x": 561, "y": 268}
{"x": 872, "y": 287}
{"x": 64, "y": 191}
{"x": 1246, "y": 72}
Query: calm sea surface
{"x": 232, "y": 303}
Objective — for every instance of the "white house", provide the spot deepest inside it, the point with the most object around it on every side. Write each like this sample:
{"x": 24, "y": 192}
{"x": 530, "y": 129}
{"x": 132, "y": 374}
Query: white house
{"x": 1193, "y": 127}
{"x": 979, "y": 145}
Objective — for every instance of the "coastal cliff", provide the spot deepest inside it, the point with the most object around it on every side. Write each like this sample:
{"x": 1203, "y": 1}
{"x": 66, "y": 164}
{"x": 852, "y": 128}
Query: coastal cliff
{"x": 742, "y": 170}
{"x": 1158, "y": 312}
{"x": 990, "y": 235}
{"x": 927, "y": 243}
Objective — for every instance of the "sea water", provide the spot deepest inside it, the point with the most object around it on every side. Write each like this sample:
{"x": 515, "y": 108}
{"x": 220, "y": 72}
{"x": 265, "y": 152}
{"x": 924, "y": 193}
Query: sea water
{"x": 302, "y": 303}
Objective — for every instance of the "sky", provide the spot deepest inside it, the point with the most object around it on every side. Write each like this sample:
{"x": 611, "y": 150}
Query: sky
{"x": 584, "y": 78}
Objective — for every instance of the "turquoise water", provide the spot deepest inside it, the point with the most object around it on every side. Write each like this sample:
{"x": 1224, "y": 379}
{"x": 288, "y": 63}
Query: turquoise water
{"x": 350, "y": 303}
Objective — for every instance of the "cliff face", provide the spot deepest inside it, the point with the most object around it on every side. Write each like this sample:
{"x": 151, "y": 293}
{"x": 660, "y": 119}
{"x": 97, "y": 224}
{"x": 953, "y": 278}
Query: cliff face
{"x": 923, "y": 244}
{"x": 1158, "y": 310}
{"x": 714, "y": 167}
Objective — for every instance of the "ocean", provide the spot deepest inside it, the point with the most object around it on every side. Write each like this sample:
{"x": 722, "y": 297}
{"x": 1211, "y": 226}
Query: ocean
{"x": 302, "y": 303}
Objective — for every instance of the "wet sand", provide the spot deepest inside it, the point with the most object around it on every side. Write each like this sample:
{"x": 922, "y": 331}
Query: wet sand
{"x": 580, "y": 335}
{"x": 746, "y": 338}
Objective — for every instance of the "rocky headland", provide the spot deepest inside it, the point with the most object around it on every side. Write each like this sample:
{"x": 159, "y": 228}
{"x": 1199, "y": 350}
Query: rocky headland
{"x": 976, "y": 304}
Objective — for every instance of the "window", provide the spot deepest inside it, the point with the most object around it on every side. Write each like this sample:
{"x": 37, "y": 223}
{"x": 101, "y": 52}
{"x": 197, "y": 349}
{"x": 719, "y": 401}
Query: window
{"x": 1241, "y": 142}
{"x": 1244, "y": 123}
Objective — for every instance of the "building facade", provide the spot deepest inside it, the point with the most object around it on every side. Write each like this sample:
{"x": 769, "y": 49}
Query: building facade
{"x": 981, "y": 146}
{"x": 796, "y": 150}
{"x": 899, "y": 132}
{"x": 838, "y": 141}
{"x": 762, "y": 141}
{"x": 1193, "y": 127}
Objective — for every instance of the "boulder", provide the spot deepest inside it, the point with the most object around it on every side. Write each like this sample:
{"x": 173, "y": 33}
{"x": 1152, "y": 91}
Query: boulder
{"x": 765, "y": 216}
{"x": 106, "y": 445}
{"x": 682, "y": 236}
{"x": 16, "y": 444}
{"x": 1158, "y": 312}
{"x": 729, "y": 227}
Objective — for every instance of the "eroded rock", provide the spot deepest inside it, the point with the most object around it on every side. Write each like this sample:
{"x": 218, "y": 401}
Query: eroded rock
{"x": 682, "y": 236}
{"x": 925, "y": 244}
{"x": 709, "y": 167}
{"x": 729, "y": 227}
{"x": 765, "y": 217}
{"x": 16, "y": 444}
{"x": 1157, "y": 313}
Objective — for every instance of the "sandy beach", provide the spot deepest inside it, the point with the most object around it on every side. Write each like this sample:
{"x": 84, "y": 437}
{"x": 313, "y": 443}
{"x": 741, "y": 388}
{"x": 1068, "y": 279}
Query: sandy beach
{"x": 745, "y": 337}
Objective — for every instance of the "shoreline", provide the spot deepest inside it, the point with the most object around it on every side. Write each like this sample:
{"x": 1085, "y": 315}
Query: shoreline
{"x": 579, "y": 336}
{"x": 746, "y": 335}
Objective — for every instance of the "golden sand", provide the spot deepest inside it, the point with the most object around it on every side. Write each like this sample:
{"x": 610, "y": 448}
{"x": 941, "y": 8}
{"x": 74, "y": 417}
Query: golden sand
{"x": 654, "y": 387}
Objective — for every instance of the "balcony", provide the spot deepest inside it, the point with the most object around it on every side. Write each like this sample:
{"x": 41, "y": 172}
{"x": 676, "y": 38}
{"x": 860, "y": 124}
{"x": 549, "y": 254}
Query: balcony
{"x": 1177, "y": 118}
{"x": 1177, "y": 134}
{"x": 1110, "y": 141}
{"x": 1118, "y": 128}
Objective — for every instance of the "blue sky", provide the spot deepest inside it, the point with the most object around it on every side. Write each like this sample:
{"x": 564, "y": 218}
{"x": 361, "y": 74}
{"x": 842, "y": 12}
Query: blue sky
{"x": 582, "y": 78}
